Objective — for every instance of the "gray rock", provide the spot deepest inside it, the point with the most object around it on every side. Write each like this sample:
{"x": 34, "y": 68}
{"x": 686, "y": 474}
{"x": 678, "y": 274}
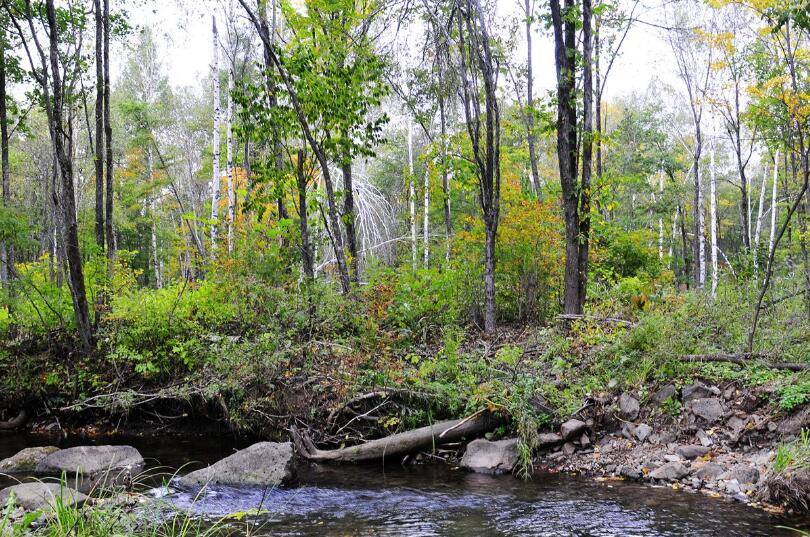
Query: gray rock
{"x": 732, "y": 486}
{"x": 709, "y": 409}
{"x": 585, "y": 441}
{"x": 691, "y": 451}
{"x": 670, "y": 471}
{"x": 41, "y": 496}
{"x": 629, "y": 472}
{"x": 628, "y": 406}
{"x": 95, "y": 466}
{"x": 698, "y": 390}
{"x": 704, "y": 438}
{"x": 548, "y": 440}
{"x": 795, "y": 423}
{"x": 26, "y": 460}
{"x": 571, "y": 429}
{"x": 736, "y": 426}
{"x": 642, "y": 432}
{"x": 745, "y": 474}
{"x": 709, "y": 471}
{"x": 569, "y": 448}
{"x": 671, "y": 457}
{"x": 262, "y": 464}
{"x": 667, "y": 392}
{"x": 486, "y": 457}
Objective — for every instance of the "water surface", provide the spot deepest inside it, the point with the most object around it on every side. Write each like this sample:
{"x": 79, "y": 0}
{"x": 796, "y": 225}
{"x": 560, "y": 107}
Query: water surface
{"x": 393, "y": 501}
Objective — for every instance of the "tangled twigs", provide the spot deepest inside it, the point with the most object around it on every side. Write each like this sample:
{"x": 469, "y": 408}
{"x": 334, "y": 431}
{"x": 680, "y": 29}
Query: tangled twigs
{"x": 16, "y": 422}
{"x": 128, "y": 399}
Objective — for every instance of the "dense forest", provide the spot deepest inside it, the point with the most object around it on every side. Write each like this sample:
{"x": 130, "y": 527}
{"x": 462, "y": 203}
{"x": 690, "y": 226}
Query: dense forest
{"x": 370, "y": 214}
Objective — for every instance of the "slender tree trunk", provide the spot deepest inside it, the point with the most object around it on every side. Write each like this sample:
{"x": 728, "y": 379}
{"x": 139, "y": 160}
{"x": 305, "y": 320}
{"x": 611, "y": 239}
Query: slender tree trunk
{"x": 713, "y": 216}
{"x": 671, "y": 251}
{"x": 60, "y": 135}
{"x": 109, "y": 178}
{"x": 700, "y": 225}
{"x": 774, "y": 201}
{"x": 530, "y": 98}
{"x": 349, "y": 221}
{"x": 660, "y": 218}
{"x": 758, "y": 228}
{"x": 564, "y": 46}
{"x": 426, "y": 221}
{"x": 587, "y": 152}
{"x": 687, "y": 268}
{"x": 307, "y": 258}
{"x": 98, "y": 156}
{"x": 150, "y": 172}
{"x": 448, "y": 223}
{"x": 411, "y": 195}
{"x": 215, "y": 149}
{"x": 229, "y": 162}
{"x": 598, "y": 100}
{"x": 6, "y": 252}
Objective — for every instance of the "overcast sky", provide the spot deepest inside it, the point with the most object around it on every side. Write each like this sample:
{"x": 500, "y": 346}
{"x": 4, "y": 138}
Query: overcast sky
{"x": 183, "y": 29}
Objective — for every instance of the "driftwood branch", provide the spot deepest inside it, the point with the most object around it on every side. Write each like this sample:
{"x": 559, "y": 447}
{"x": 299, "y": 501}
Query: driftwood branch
{"x": 744, "y": 359}
{"x": 400, "y": 444}
{"x": 16, "y": 422}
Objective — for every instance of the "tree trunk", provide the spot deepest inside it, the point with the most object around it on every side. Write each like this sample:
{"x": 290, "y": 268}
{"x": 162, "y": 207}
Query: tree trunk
{"x": 307, "y": 258}
{"x": 6, "y": 257}
{"x": 229, "y": 161}
{"x": 760, "y": 212}
{"x": 411, "y": 195}
{"x": 215, "y": 148}
{"x": 713, "y": 216}
{"x": 774, "y": 201}
{"x": 98, "y": 156}
{"x": 700, "y": 235}
{"x": 108, "y": 186}
{"x": 587, "y": 152}
{"x": 426, "y": 221}
{"x": 60, "y": 135}
{"x": 687, "y": 268}
{"x": 398, "y": 445}
{"x": 530, "y": 99}
{"x": 349, "y": 221}
{"x": 564, "y": 45}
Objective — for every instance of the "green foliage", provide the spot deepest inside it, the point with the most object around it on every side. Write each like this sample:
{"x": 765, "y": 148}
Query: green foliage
{"x": 794, "y": 394}
{"x": 793, "y": 456}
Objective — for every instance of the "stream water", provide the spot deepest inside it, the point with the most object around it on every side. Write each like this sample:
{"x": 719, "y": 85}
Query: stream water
{"x": 438, "y": 501}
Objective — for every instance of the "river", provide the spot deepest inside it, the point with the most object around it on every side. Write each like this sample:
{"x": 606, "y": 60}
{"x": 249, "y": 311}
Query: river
{"x": 435, "y": 500}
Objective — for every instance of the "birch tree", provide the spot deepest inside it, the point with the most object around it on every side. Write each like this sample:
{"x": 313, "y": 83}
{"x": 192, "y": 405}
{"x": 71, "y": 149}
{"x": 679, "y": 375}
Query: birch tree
{"x": 215, "y": 147}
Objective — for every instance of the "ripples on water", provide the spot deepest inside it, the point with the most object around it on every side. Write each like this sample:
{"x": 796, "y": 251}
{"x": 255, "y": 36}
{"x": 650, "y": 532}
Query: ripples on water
{"x": 371, "y": 501}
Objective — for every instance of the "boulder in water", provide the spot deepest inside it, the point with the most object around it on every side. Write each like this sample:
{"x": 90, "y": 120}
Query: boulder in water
{"x": 484, "y": 456}
{"x": 266, "y": 464}
{"x": 94, "y": 466}
{"x": 26, "y": 460}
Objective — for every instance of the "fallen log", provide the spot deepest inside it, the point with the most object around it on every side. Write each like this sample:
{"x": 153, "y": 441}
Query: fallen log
{"x": 745, "y": 359}
{"x": 424, "y": 438}
{"x": 16, "y": 422}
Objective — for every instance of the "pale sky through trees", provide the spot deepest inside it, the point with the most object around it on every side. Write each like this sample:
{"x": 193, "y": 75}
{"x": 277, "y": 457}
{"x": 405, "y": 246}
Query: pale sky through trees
{"x": 183, "y": 31}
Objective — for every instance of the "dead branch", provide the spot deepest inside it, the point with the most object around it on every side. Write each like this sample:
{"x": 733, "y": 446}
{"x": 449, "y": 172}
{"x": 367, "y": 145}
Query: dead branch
{"x": 16, "y": 422}
{"x": 745, "y": 359}
{"x": 424, "y": 438}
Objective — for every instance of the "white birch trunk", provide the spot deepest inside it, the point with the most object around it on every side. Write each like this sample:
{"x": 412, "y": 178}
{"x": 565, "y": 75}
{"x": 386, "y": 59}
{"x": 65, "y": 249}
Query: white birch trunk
{"x": 701, "y": 234}
{"x": 229, "y": 161}
{"x": 713, "y": 216}
{"x": 412, "y": 194}
{"x": 152, "y": 210}
{"x": 660, "y": 219}
{"x": 760, "y": 212}
{"x": 426, "y": 224}
{"x": 774, "y": 207}
{"x": 672, "y": 238}
{"x": 215, "y": 173}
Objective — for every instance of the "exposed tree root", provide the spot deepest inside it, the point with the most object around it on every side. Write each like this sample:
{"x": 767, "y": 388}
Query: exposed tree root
{"x": 424, "y": 438}
{"x": 16, "y": 422}
{"x": 745, "y": 359}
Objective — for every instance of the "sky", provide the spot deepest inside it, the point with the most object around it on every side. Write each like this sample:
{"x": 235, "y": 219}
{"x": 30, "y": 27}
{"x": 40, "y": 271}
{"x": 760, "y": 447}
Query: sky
{"x": 183, "y": 29}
